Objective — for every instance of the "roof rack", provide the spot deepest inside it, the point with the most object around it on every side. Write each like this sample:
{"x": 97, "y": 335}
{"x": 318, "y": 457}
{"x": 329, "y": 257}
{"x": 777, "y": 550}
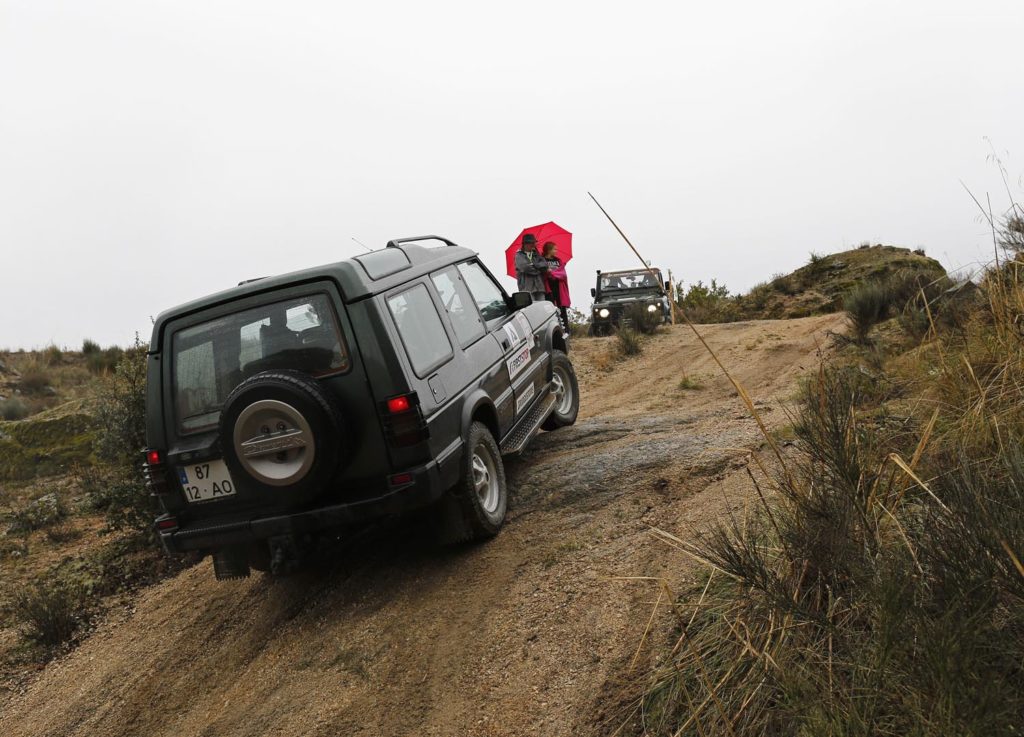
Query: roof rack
{"x": 395, "y": 243}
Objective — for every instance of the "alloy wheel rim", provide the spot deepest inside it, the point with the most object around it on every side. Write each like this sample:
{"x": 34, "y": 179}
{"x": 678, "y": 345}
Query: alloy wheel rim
{"x": 485, "y": 480}
{"x": 563, "y": 391}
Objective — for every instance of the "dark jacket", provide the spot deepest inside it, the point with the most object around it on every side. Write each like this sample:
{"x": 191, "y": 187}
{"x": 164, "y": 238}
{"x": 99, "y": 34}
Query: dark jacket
{"x": 530, "y": 271}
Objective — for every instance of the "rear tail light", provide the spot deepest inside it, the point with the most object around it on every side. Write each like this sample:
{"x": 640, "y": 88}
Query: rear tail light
{"x": 167, "y": 523}
{"x": 154, "y": 472}
{"x": 400, "y": 479}
{"x": 403, "y": 420}
{"x": 398, "y": 405}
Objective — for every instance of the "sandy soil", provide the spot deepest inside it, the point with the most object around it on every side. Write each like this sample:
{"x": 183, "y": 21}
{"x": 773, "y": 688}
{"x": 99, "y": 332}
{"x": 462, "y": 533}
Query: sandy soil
{"x": 533, "y": 633}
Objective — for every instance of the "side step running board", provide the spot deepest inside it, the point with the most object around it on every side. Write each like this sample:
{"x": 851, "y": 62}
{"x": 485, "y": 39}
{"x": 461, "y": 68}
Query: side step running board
{"x": 528, "y": 426}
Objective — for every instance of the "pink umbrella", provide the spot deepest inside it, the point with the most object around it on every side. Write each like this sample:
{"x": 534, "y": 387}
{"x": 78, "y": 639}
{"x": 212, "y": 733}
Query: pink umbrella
{"x": 558, "y": 235}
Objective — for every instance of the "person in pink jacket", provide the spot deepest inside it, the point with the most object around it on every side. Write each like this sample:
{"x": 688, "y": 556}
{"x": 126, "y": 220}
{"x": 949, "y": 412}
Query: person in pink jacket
{"x": 556, "y": 282}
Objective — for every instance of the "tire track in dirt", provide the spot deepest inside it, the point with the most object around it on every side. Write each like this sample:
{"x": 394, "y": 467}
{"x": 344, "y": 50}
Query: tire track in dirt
{"x": 394, "y": 636}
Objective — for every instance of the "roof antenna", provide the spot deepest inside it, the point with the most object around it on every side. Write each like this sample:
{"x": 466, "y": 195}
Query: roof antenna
{"x": 362, "y": 244}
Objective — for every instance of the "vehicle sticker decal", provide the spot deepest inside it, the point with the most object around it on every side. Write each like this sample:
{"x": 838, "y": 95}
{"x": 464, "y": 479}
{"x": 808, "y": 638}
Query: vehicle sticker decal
{"x": 525, "y": 397}
{"x": 523, "y": 327}
{"x": 512, "y": 333}
{"x": 518, "y": 361}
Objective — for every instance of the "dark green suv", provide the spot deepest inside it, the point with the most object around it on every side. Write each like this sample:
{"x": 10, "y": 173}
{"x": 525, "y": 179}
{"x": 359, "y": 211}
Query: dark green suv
{"x": 300, "y": 404}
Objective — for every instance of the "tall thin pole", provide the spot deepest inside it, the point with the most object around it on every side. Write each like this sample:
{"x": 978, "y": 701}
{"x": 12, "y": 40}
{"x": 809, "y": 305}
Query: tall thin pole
{"x": 671, "y": 302}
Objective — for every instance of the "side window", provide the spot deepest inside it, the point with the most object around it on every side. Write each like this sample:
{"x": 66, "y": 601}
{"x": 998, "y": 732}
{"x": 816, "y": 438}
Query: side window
{"x": 487, "y": 294}
{"x": 420, "y": 326}
{"x": 459, "y": 303}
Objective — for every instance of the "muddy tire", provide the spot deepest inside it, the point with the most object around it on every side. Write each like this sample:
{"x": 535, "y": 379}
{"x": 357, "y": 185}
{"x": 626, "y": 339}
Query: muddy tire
{"x": 476, "y": 508}
{"x": 566, "y": 389}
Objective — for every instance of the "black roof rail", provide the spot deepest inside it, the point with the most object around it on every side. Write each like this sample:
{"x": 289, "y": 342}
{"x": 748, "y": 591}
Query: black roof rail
{"x": 395, "y": 243}
{"x": 250, "y": 281}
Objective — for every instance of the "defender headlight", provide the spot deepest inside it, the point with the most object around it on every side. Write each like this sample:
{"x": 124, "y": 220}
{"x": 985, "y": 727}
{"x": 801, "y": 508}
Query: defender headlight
{"x": 603, "y": 312}
{"x": 652, "y": 308}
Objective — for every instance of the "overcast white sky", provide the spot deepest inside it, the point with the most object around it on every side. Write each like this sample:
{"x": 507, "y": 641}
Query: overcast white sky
{"x": 154, "y": 152}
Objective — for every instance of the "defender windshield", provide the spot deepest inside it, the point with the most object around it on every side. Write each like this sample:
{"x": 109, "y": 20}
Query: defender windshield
{"x": 631, "y": 280}
{"x": 213, "y": 358}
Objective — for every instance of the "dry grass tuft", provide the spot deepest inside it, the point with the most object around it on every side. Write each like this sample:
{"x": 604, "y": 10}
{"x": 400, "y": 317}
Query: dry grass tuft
{"x": 628, "y": 342}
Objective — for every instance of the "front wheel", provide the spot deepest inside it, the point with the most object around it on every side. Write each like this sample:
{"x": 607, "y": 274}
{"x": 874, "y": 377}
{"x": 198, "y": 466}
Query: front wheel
{"x": 476, "y": 509}
{"x": 566, "y": 391}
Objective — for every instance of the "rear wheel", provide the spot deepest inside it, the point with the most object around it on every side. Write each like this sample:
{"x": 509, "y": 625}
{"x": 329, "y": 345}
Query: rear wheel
{"x": 477, "y": 509}
{"x": 566, "y": 391}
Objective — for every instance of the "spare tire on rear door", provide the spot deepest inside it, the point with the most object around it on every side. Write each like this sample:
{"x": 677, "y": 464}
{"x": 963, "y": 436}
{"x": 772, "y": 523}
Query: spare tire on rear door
{"x": 283, "y": 437}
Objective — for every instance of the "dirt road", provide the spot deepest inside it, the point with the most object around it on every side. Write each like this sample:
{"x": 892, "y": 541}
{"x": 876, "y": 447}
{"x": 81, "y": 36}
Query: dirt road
{"x": 530, "y": 634}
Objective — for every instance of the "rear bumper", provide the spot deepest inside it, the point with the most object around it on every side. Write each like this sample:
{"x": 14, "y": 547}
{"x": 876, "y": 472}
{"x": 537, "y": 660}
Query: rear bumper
{"x": 425, "y": 488}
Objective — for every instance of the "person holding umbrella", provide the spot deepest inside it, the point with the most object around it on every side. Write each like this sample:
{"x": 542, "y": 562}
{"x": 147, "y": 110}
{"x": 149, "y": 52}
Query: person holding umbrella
{"x": 531, "y": 268}
{"x": 557, "y": 282}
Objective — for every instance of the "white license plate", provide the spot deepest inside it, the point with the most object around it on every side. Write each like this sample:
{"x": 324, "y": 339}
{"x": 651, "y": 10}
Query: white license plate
{"x": 207, "y": 480}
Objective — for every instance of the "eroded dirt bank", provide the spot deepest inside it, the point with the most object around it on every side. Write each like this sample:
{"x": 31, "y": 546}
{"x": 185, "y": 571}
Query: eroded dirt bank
{"x": 530, "y": 634}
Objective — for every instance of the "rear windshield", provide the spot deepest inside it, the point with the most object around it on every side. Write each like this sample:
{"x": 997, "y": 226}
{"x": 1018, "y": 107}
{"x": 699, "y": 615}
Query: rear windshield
{"x": 213, "y": 358}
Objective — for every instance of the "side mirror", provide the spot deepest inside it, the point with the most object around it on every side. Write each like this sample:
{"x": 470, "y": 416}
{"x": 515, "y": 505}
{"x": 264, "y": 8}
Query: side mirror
{"x": 521, "y": 300}
{"x": 593, "y": 293}
{"x": 668, "y": 287}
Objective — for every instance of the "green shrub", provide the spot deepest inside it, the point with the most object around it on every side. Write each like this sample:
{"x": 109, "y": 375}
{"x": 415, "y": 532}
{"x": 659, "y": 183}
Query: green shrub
{"x": 120, "y": 425}
{"x": 121, "y": 411}
{"x": 628, "y": 342}
{"x": 710, "y": 303}
{"x": 914, "y": 322}
{"x": 53, "y": 355}
{"x": 784, "y": 284}
{"x": 687, "y": 383}
{"x": 1011, "y": 230}
{"x": 49, "y": 611}
{"x": 39, "y": 513}
{"x": 13, "y": 546}
{"x": 89, "y": 347}
{"x": 34, "y": 378}
{"x": 913, "y": 285}
{"x": 62, "y": 532}
{"x": 579, "y": 325}
{"x": 13, "y": 408}
{"x": 103, "y": 361}
{"x": 757, "y": 298}
{"x": 867, "y": 305}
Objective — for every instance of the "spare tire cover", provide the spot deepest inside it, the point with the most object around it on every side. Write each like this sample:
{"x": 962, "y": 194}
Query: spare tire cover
{"x": 283, "y": 437}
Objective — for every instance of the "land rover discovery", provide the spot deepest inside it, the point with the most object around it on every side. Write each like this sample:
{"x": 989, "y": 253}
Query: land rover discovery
{"x": 304, "y": 404}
